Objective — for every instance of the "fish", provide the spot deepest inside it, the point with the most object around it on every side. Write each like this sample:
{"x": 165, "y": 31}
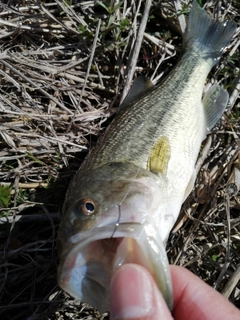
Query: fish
{"x": 126, "y": 196}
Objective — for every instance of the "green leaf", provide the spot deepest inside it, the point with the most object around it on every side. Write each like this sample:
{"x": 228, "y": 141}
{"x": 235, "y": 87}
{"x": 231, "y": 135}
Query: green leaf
{"x": 111, "y": 20}
{"x": 5, "y": 195}
{"x": 103, "y": 5}
{"x": 117, "y": 6}
{"x": 31, "y": 156}
{"x": 214, "y": 257}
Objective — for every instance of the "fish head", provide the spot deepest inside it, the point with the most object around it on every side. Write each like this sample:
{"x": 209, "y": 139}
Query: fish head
{"x": 107, "y": 222}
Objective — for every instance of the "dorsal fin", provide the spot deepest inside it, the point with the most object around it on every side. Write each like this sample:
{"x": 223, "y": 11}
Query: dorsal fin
{"x": 139, "y": 87}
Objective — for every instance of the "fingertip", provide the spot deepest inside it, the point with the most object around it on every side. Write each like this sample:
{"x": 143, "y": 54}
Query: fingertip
{"x": 134, "y": 295}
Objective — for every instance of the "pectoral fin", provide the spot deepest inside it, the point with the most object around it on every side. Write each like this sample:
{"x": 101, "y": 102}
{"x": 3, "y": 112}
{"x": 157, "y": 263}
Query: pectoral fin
{"x": 159, "y": 156}
{"x": 214, "y": 102}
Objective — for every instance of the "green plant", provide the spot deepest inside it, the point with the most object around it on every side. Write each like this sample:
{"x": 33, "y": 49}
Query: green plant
{"x": 5, "y": 196}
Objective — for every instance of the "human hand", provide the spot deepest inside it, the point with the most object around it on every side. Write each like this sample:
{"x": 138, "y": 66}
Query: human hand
{"x": 135, "y": 296}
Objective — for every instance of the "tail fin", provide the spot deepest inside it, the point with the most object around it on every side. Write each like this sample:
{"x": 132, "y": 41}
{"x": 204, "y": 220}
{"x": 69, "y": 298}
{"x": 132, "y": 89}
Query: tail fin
{"x": 206, "y": 34}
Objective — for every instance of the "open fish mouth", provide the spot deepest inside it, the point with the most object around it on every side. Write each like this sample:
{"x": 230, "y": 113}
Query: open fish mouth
{"x": 86, "y": 270}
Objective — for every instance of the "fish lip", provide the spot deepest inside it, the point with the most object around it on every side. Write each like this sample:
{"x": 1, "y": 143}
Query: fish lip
{"x": 87, "y": 278}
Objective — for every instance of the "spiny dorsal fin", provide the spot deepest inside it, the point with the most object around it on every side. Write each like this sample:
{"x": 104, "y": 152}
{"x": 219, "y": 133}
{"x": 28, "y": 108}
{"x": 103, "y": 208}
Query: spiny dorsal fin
{"x": 159, "y": 156}
{"x": 139, "y": 87}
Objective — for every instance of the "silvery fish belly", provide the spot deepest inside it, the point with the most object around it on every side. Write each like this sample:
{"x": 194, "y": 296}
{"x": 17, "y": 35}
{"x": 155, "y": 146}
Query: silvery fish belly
{"x": 127, "y": 195}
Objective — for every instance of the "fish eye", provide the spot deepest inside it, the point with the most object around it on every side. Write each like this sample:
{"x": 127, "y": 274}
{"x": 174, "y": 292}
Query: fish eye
{"x": 88, "y": 206}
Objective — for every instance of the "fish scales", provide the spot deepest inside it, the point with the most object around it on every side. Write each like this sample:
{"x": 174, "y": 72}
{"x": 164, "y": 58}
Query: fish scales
{"x": 165, "y": 110}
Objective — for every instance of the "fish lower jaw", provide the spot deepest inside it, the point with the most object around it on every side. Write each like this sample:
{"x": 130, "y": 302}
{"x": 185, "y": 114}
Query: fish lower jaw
{"x": 87, "y": 270}
{"x": 89, "y": 277}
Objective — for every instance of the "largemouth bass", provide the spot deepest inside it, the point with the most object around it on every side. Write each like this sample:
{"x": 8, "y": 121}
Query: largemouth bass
{"x": 125, "y": 198}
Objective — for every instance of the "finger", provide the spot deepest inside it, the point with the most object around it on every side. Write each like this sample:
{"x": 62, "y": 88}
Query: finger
{"x": 134, "y": 295}
{"x": 194, "y": 299}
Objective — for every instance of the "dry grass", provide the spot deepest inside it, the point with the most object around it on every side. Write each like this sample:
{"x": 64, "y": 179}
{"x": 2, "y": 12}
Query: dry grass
{"x": 63, "y": 66}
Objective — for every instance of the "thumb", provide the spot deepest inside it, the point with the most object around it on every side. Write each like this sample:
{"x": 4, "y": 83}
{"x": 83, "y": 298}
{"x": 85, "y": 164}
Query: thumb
{"x": 134, "y": 295}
